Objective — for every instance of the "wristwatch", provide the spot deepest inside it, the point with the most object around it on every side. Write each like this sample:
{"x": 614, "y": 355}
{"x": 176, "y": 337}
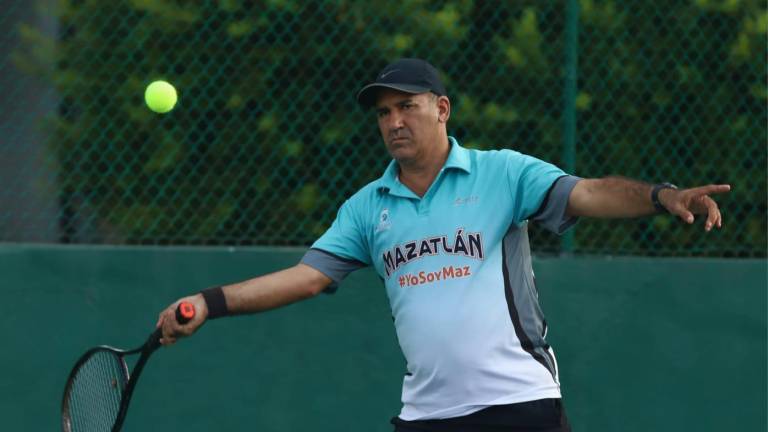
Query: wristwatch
{"x": 655, "y": 195}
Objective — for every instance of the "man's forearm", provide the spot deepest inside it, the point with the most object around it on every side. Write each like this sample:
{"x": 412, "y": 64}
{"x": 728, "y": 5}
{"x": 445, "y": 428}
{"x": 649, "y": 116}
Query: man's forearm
{"x": 262, "y": 293}
{"x": 274, "y": 290}
{"x": 611, "y": 197}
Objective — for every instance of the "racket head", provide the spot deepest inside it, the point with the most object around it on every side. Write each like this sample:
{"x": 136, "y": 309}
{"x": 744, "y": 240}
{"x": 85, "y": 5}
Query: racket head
{"x": 99, "y": 388}
{"x": 94, "y": 391}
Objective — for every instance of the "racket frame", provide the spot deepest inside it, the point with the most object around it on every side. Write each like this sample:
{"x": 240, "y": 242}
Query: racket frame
{"x": 184, "y": 313}
{"x": 132, "y": 377}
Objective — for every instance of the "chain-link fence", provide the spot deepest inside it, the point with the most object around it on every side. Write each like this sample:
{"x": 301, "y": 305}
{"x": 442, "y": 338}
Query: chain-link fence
{"x": 267, "y": 140}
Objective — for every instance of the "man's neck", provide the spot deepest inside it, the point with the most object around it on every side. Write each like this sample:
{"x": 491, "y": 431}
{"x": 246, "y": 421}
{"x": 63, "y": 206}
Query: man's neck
{"x": 419, "y": 175}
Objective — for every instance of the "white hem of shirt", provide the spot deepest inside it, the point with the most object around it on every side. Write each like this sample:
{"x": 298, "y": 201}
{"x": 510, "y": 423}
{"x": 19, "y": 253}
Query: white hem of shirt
{"x": 467, "y": 409}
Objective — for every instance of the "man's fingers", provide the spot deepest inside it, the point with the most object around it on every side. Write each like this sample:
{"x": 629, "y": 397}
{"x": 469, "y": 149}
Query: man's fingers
{"x": 159, "y": 320}
{"x": 710, "y": 189}
{"x": 710, "y": 222}
{"x": 706, "y": 205}
{"x": 172, "y": 330}
{"x": 169, "y": 334}
{"x": 167, "y": 340}
{"x": 700, "y": 204}
{"x": 168, "y": 323}
{"x": 713, "y": 213}
{"x": 686, "y": 216}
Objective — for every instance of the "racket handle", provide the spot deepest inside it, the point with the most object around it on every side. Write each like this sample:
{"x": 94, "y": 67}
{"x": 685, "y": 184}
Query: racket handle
{"x": 185, "y": 311}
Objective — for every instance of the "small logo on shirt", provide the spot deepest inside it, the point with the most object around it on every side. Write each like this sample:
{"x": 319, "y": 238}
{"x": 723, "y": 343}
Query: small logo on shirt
{"x": 384, "y": 222}
{"x": 466, "y": 200}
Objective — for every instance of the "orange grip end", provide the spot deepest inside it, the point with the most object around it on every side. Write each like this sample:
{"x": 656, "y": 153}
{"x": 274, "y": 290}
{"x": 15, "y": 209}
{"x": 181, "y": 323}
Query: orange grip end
{"x": 187, "y": 310}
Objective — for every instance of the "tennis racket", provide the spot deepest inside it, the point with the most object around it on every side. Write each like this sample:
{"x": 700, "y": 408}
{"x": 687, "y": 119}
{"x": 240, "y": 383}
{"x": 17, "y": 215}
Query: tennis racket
{"x": 99, "y": 387}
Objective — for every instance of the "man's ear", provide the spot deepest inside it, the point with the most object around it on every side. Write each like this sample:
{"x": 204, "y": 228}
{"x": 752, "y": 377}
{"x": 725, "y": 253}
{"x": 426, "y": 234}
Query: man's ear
{"x": 443, "y": 109}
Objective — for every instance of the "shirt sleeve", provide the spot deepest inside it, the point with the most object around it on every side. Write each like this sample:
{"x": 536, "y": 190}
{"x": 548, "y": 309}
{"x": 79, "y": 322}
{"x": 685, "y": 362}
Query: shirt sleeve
{"x": 530, "y": 180}
{"x": 552, "y": 213}
{"x": 331, "y": 265}
{"x": 343, "y": 248}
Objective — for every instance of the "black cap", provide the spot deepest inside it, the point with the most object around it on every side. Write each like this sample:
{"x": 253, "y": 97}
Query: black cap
{"x": 410, "y": 75}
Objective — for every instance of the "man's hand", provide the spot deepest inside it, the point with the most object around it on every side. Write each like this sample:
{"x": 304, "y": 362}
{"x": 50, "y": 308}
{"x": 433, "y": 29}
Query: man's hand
{"x": 686, "y": 203}
{"x": 172, "y": 330}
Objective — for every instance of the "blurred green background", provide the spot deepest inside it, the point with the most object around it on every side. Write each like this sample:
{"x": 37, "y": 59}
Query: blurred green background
{"x": 109, "y": 211}
{"x": 267, "y": 140}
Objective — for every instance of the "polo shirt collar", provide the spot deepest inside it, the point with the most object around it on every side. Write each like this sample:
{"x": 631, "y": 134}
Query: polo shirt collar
{"x": 458, "y": 158}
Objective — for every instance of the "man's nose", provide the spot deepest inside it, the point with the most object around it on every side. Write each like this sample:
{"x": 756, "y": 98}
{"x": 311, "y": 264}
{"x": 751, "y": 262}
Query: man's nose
{"x": 395, "y": 121}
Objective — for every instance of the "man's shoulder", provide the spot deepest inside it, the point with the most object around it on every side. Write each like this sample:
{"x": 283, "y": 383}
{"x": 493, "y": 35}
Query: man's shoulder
{"x": 499, "y": 153}
{"x": 495, "y": 157}
{"x": 366, "y": 195}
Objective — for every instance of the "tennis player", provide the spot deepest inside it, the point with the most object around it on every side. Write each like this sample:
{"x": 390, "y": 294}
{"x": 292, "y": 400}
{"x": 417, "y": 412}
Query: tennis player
{"x": 446, "y": 228}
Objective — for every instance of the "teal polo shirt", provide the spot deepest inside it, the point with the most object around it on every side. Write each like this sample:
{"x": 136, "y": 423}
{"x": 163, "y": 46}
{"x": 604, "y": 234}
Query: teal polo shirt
{"x": 456, "y": 265}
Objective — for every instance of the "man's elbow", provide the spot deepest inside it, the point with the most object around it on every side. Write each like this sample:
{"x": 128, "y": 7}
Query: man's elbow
{"x": 315, "y": 281}
{"x": 315, "y": 288}
{"x": 580, "y": 201}
{"x": 577, "y": 210}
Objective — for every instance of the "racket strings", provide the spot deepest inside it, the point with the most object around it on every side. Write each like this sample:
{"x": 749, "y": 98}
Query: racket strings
{"x": 95, "y": 394}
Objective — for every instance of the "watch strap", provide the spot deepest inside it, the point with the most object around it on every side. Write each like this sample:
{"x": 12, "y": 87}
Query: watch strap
{"x": 655, "y": 195}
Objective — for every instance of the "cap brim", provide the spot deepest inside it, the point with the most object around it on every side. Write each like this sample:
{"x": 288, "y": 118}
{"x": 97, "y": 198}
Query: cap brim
{"x": 367, "y": 96}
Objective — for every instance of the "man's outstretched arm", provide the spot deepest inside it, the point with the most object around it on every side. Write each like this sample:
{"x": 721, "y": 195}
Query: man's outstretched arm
{"x": 618, "y": 197}
{"x": 254, "y": 295}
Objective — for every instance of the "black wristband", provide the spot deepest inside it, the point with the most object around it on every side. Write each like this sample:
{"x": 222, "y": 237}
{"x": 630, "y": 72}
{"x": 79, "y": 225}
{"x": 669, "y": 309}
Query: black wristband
{"x": 217, "y": 304}
{"x": 655, "y": 196}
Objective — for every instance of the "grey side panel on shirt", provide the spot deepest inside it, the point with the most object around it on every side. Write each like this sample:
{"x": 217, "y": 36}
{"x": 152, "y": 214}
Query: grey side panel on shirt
{"x": 335, "y": 267}
{"x": 552, "y": 215}
{"x": 523, "y": 297}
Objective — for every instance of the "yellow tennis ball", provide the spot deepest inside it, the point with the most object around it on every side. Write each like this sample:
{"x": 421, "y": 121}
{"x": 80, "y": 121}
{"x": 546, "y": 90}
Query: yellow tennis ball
{"x": 160, "y": 96}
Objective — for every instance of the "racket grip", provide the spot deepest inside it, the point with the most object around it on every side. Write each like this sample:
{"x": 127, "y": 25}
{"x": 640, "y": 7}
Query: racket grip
{"x": 185, "y": 311}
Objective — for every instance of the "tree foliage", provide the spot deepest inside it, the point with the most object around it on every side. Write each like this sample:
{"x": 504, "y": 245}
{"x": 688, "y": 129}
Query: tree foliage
{"x": 267, "y": 140}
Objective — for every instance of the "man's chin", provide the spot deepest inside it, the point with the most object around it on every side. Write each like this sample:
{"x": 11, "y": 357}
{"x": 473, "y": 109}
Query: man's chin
{"x": 402, "y": 154}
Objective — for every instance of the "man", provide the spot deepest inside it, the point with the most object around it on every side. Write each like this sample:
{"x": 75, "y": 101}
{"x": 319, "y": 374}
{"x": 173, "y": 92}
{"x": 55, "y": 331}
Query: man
{"x": 446, "y": 229}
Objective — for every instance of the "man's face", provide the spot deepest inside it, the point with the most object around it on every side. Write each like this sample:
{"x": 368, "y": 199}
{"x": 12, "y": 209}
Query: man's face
{"x": 409, "y": 123}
